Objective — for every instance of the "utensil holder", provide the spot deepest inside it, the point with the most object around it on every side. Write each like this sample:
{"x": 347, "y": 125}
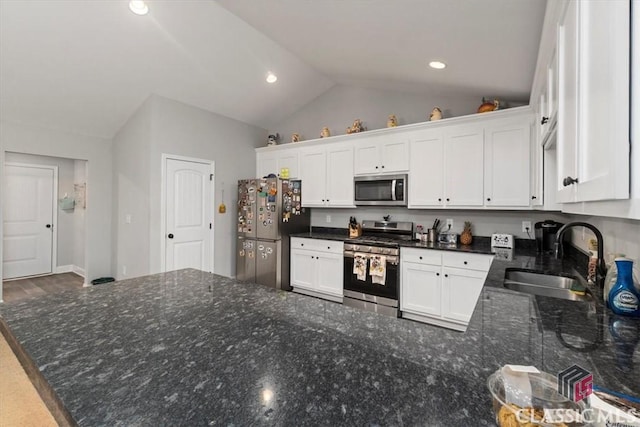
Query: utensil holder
{"x": 355, "y": 231}
{"x": 431, "y": 235}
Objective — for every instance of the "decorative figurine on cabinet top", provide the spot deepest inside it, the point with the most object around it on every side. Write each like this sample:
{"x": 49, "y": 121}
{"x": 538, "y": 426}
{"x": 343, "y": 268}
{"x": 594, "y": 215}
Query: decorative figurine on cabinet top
{"x": 488, "y": 106}
{"x": 392, "y": 121}
{"x": 295, "y": 137}
{"x": 356, "y": 127}
{"x": 273, "y": 140}
{"x": 325, "y": 133}
{"x": 436, "y": 114}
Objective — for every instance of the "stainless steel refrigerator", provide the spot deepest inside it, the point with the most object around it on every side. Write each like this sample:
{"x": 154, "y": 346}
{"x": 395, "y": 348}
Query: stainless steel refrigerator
{"x": 269, "y": 210}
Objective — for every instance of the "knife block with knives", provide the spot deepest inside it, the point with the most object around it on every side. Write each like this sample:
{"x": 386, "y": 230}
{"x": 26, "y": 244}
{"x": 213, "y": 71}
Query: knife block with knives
{"x": 355, "y": 229}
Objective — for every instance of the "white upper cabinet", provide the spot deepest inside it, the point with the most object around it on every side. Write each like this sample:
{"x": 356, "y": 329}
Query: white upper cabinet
{"x": 272, "y": 162}
{"x": 382, "y": 154}
{"x": 327, "y": 175}
{"x": 464, "y": 166}
{"x": 426, "y": 169}
{"x": 506, "y": 164}
{"x": 593, "y": 101}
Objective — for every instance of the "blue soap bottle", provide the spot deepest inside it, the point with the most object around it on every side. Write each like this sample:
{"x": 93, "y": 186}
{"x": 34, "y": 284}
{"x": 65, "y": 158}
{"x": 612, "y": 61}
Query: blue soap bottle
{"x": 624, "y": 299}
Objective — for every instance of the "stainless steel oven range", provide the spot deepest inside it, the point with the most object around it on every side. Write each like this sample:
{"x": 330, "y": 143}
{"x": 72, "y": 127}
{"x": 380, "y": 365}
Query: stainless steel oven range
{"x": 372, "y": 266}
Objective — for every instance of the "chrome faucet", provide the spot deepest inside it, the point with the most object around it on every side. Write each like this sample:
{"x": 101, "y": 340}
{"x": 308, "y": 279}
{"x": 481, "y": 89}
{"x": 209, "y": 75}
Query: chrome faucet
{"x": 601, "y": 269}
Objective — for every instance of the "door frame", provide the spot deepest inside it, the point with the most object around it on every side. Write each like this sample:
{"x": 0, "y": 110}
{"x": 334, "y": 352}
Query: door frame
{"x": 163, "y": 206}
{"x": 54, "y": 212}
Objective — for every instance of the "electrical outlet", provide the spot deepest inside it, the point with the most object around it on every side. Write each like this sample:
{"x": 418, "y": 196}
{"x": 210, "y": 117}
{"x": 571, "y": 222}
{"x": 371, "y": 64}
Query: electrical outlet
{"x": 449, "y": 223}
{"x": 124, "y": 270}
{"x": 328, "y": 219}
{"x": 127, "y": 219}
{"x": 526, "y": 226}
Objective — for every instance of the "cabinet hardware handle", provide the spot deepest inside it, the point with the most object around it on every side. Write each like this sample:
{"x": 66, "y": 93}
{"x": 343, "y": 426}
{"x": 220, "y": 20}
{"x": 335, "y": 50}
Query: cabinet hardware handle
{"x": 376, "y": 167}
{"x": 569, "y": 181}
{"x": 447, "y": 199}
{"x": 488, "y": 199}
{"x": 439, "y": 199}
{"x": 437, "y": 274}
{"x": 446, "y": 275}
{"x": 328, "y": 247}
{"x": 533, "y": 197}
{"x": 465, "y": 263}
{"x": 48, "y": 225}
{"x": 382, "y": 166}
{"x": 170, "y": 235}
{"x": 420, "y": 257}
{"x": 544, "y": 120}
{"x": 301, "y": 244}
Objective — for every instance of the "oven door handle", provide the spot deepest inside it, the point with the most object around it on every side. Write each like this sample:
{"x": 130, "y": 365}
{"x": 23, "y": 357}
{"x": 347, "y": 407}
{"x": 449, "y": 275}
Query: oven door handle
{"x": 393, "y": 260}
{"x": 393, "y": 189}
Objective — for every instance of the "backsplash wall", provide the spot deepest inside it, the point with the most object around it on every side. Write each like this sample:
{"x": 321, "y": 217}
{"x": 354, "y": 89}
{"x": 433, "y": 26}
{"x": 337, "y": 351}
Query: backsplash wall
{"x": 484, "y": 223}
{"x": 620, "y": 235}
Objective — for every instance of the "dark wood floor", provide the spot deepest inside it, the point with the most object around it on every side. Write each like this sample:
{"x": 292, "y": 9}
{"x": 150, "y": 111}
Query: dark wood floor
{"x": 18, "y": 290}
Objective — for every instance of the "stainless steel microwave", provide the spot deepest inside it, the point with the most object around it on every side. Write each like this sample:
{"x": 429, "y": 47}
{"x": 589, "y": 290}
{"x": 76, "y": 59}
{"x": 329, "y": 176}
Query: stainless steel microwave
{"x": 380, "y": 190}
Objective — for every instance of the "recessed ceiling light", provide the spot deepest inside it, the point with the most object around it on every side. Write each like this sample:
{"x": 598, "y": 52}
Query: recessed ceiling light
{"x": 138, "y": 7}
{"x": 438, "y": 65}
{"x": 271, "y": 78}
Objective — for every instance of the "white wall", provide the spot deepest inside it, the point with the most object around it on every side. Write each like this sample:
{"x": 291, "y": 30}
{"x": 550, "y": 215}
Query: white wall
{"x": 180, "y": 129}
{"x": 163, "y": 126}
{"x": 131, "y": 186}
{"x": 340, "y": 105}
{"x": 29, "y": 139}
{"x": 79, "y": 220}
{"x": 66, "y": 227}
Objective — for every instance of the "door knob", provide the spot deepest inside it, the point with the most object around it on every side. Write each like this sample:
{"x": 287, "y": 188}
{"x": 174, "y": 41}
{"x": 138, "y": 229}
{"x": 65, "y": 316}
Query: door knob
{"x": 170, "y": 235}
{"x": 48, "y": 226}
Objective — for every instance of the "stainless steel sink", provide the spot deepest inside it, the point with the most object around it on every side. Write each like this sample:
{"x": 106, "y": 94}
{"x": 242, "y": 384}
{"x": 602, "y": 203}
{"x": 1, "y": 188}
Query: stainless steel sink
{"x": 547, "y": 285}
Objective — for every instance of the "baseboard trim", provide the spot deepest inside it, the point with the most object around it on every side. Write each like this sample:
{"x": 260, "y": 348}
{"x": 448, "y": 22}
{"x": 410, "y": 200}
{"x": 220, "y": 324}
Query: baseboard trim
{"x": 70, "y": 269}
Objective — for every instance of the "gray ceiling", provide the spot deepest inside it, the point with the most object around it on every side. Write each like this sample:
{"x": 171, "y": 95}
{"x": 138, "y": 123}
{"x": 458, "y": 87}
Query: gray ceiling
{"x": 85, "y": 66}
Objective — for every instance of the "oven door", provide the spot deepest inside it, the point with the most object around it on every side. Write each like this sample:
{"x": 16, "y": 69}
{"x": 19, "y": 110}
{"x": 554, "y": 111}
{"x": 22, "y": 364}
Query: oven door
{"x": 388, "y": 290}
{"x": 388, "y": 190}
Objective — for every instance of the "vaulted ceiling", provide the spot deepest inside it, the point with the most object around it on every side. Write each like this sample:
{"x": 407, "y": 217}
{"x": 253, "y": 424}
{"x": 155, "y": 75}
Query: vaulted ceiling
{"x": 85, "y": 66}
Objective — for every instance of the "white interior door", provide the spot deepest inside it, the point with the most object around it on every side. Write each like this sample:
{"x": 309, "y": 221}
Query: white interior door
{"x": 28, "y": 220}
{"x": 188, "y": 233}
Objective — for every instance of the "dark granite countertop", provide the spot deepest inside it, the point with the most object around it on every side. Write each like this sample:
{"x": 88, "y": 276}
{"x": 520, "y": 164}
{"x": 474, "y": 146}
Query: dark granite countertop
{"x": 193, "y": 348}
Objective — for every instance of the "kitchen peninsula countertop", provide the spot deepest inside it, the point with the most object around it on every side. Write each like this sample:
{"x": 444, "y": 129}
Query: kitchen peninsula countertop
{"x": 194, "y": 348}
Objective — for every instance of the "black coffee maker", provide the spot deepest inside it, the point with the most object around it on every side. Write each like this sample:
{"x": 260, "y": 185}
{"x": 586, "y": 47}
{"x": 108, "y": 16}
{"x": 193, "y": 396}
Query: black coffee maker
{"x": 546, "y": 235}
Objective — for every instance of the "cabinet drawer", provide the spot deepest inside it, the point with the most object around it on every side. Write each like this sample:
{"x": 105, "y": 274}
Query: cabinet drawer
{"x": 318, "y": 245}
{"x": 467, "y": 261}
{"x": 421, "y": 256}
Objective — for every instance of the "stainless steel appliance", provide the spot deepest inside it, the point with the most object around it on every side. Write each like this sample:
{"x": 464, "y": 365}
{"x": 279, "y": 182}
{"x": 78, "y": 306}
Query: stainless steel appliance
{"x": 545, "y": 232}
{"x": 269, "y": 210}
{"x": 379, "y": 239}
{"x": 383, "y": 190}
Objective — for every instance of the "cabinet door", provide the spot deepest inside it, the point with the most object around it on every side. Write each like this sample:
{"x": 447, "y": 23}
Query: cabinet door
{"x": 552, "y": 88}
{"x": 603, "y": 109}
{"x": 394, "y": 152}
{"x": 303, "y": 268}
{"x": 330, "y": 273}
{"x": 266, "y": 163}
{"x": 507, "y": 161}
{"x": 460, "y": 292}
{"x": 537, "y": 173}
{"x": 289, "y": 159}
{"x": 367, "y": 157}
{"x": 340, "y": 177}
{"x": 313, "y": 171}
{"x": 567, "y": 102}
{"x": 420, "y": 289}
{"x": 426, "y": 170}
{"x": 464, "y": 166}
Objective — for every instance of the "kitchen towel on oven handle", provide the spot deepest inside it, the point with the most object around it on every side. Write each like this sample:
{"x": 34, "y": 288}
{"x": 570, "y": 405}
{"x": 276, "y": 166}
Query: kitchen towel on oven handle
{"x": 378, "y": 269}
{"x": 360, "y": 265}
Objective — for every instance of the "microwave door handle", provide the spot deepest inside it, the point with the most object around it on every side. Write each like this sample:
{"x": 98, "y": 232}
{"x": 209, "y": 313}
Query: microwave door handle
{"x": 393, "y": 190}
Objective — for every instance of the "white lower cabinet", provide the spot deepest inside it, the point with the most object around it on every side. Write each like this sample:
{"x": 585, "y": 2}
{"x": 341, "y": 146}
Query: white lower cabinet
{"x": 441, "y": 287}
{"x": 317, "y": 268}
